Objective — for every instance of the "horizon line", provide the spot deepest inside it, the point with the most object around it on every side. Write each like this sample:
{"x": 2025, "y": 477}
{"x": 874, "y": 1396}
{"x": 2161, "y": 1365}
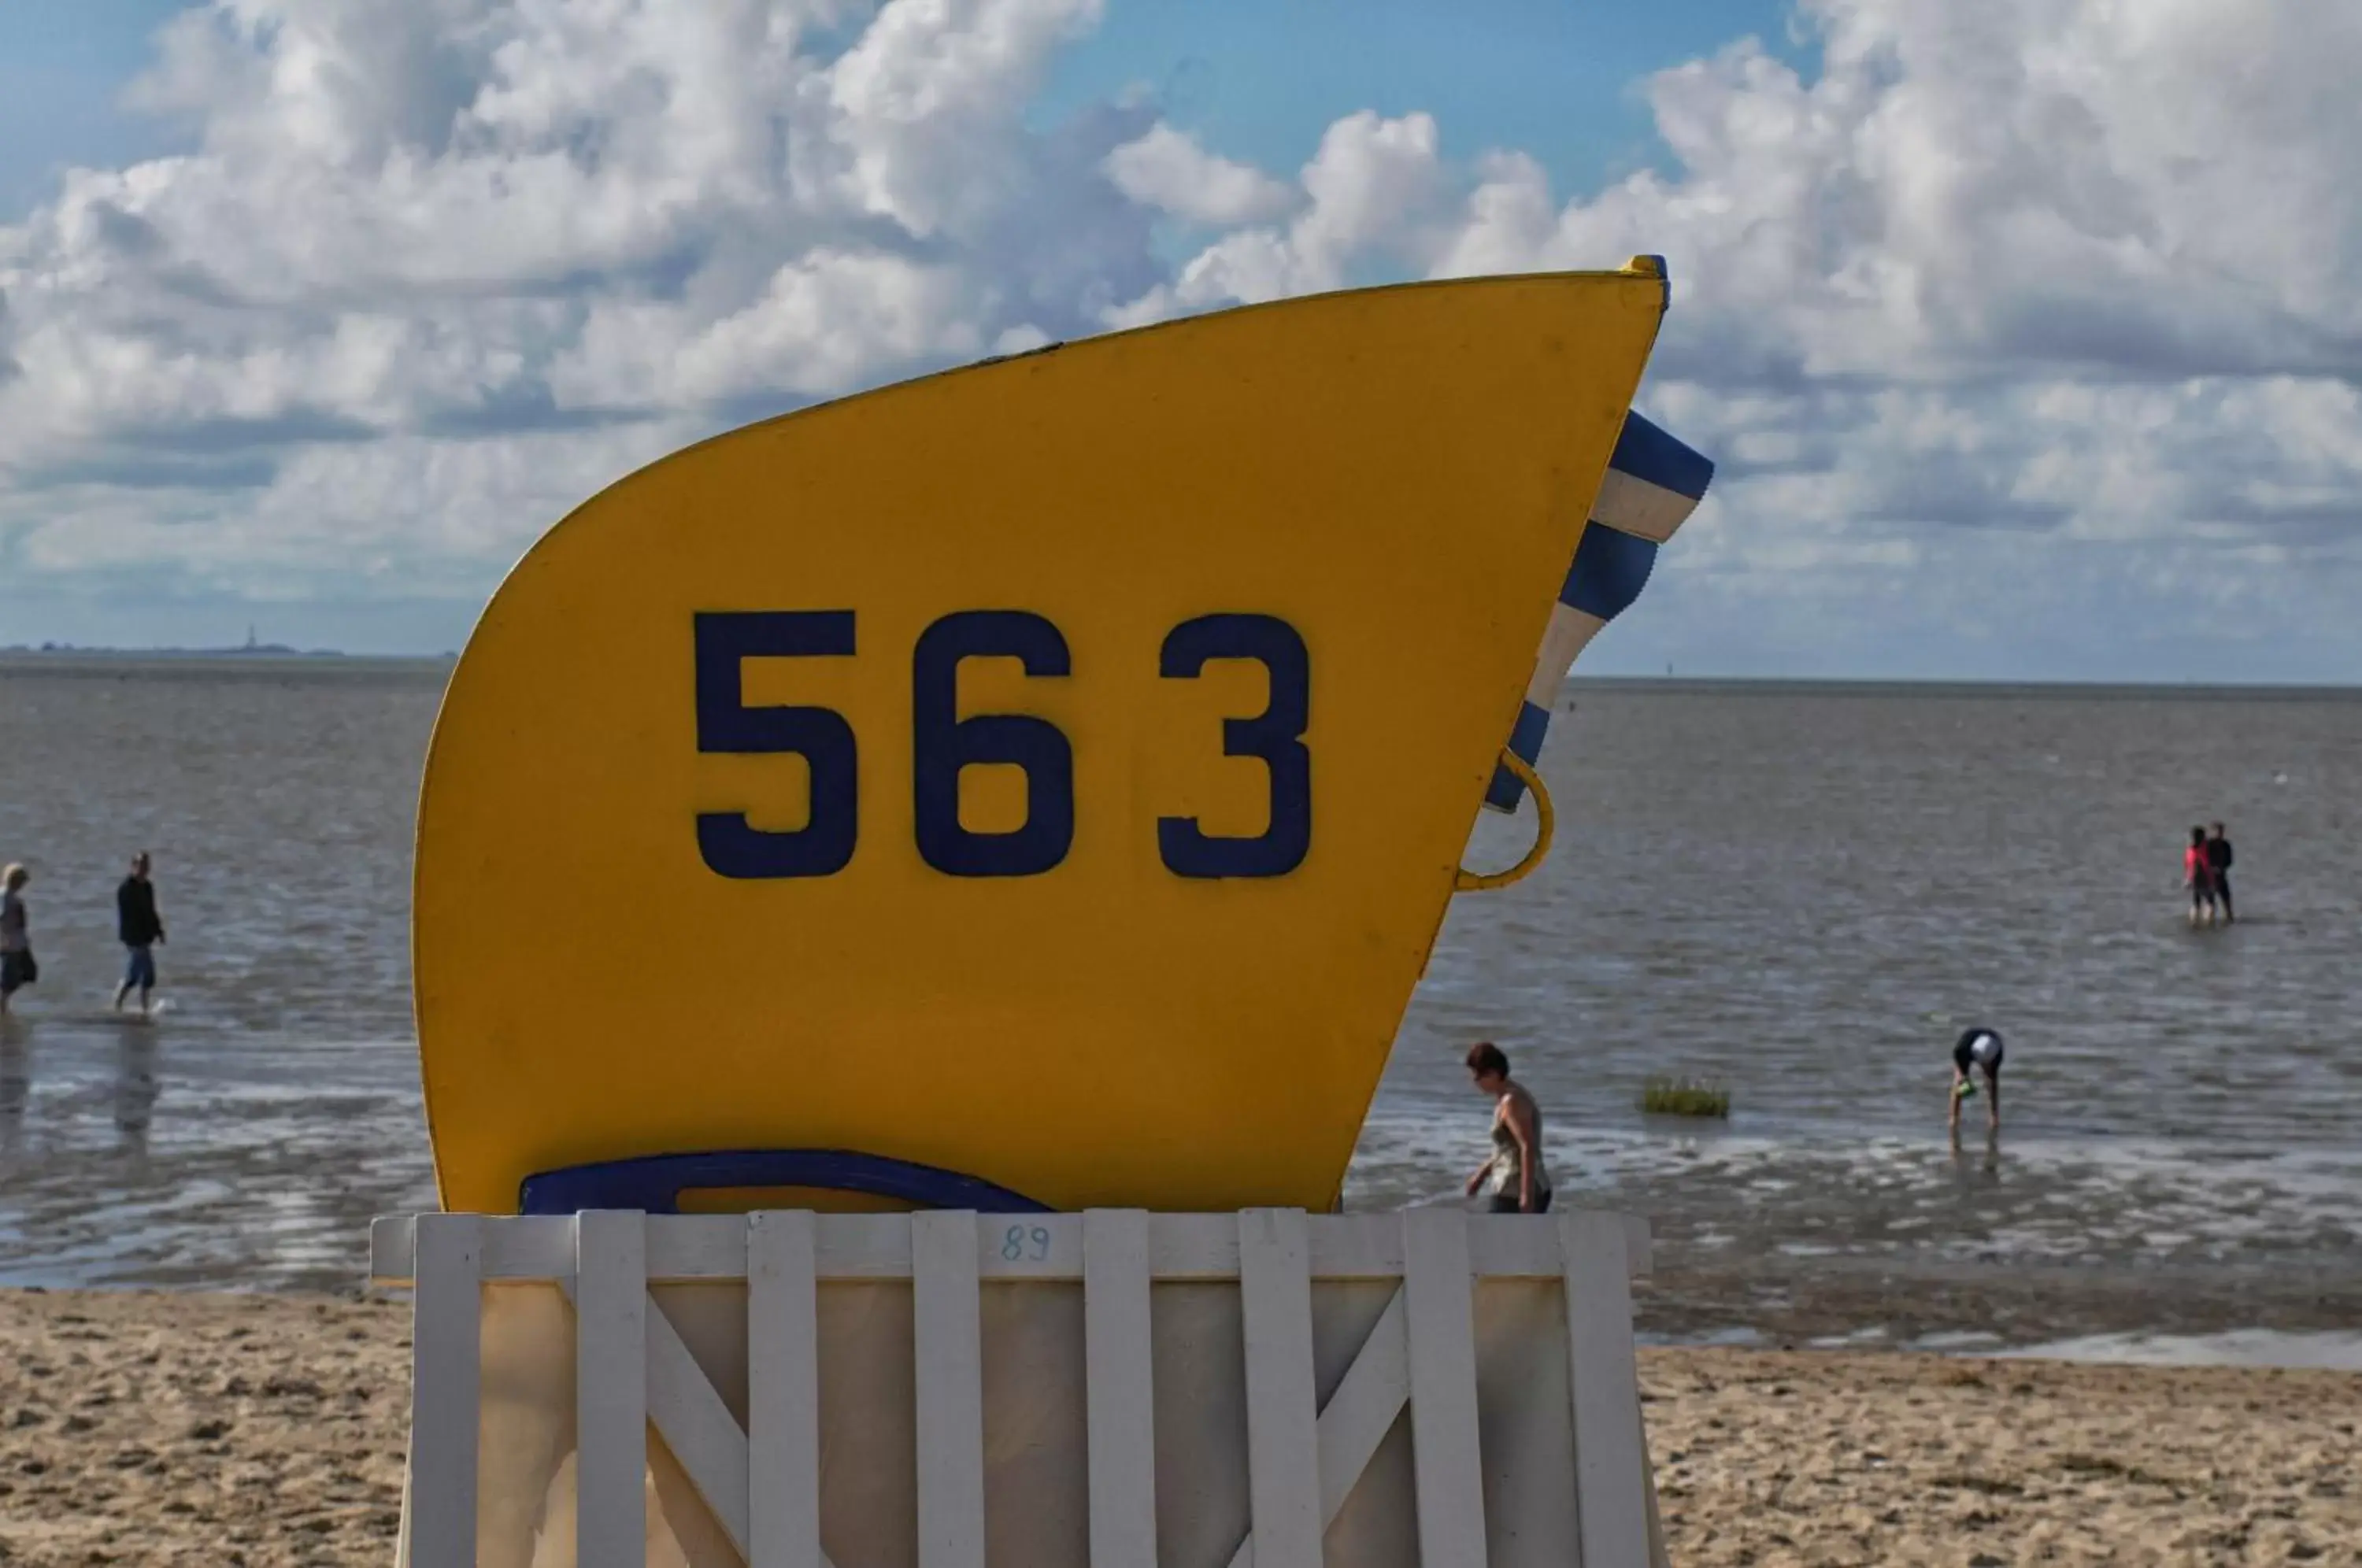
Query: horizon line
{"x": 26, "y": 654}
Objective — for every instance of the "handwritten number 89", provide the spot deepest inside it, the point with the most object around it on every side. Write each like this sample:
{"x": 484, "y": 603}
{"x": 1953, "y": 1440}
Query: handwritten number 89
{"x": 1022, "y": 1245}
{"x": 942, "y": 743}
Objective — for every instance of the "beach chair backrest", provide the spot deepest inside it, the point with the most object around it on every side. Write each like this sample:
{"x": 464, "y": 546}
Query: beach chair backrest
{"x": 1218, "y": 622}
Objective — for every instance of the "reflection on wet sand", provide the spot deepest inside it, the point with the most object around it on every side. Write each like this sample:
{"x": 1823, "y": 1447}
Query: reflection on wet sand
{"x": 135, "y": 1081}
{"x": 1978, "y": 1167}
{"x": 15, "y": 1075}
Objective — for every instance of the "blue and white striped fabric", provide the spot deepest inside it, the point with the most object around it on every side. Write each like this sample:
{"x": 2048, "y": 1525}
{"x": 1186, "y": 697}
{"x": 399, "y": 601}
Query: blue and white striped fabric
{"x": 1653, "y": 483}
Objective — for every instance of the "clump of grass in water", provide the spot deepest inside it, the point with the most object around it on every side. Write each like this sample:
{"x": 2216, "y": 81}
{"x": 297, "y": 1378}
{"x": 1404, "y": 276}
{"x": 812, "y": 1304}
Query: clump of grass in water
{"x": 1685, "y": 1097}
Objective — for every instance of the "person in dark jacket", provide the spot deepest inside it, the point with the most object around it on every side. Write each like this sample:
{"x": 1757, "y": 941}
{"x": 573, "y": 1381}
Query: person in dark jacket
{"x": 2218, "y": 861}
{"x": 140, "y": 928}
{"x": 17, "y": 969}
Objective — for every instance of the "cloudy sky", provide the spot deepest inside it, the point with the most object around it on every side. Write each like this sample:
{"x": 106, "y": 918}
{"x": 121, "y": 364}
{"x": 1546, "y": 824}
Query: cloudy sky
{"x": 2027, "y": 333}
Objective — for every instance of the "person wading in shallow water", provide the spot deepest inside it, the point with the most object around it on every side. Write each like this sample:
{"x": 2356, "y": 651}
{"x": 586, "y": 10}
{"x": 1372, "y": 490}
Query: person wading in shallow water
{"x": 1521, "y": 1181}
{"x": 2218, "y": 866}
{"x": 17, "y": 969}
{"x": 2198, "y": 876}
{"x": 1977, "y": 1050}
{"x": 140, "y": 928}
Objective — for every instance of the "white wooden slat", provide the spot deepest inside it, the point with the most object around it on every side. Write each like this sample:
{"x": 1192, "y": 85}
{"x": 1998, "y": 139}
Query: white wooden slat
{"x": 1610, "y": 1478}
{"x": 695, "y": 1423}
{"x": 1282, "y": 1434}
{"x": 697, "y": 1426}
{"x": 1447, "y": 1474}
{"x": 1119, "y": 1409}
{"x": 948, "y": 1368}
{"x": 447, "y": 1320}
{"x": 1193, "y": 1247}
{"x": 1363, "y": 1410}
{"x": 1356, "y": 1419}
{"x": 611, "y": 1389}
{"x": 782, "y": 1392}
{"x": 685, "y": 1248}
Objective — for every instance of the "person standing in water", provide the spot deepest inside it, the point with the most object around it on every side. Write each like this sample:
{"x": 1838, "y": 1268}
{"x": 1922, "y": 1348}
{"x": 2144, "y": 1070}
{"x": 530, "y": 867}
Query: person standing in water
{"x": 17, "y": 967}
{"x": 140, "y": 928}
{"x": 2197, "y": 875}
{"x": 1521, "y": 1181}
{"x": 1977, "y": 1051}
{"x": 2218, "y": 867}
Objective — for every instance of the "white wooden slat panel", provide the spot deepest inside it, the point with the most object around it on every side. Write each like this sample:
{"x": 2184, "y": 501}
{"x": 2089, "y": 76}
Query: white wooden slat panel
{"x": 1610, "y": 1478}
{"x": 1356, "y": 1419}
{"x": 696, "y": 1424}
{"x": 611, "y": 1389}
{"x": 1119, "y": 1409}
{"x": 695, "y": 1246}
{"x": 1193, "y": 1247}
{"x": 948, "y": 1368}
{"x": 684, "y": 1248}
{"x": 1282, "y": 1434}
{"x": 862, "y": 1246}
{"x": 1363, "y": 1410}
{"x": 1447, "y": 1474}
{"x": 447, "y": 1320}
{"x": 782, "y": 1392}
{"x": 1029, "y": 1246}
{"x": 1595, "y": 1253}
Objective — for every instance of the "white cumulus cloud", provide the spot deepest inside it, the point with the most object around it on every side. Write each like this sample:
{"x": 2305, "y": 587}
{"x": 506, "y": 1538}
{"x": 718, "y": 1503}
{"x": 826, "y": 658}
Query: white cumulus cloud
{"x": 2010, "y": 323}
{"x": 1168, "y": 171}
{"x": 2010, "y": 309}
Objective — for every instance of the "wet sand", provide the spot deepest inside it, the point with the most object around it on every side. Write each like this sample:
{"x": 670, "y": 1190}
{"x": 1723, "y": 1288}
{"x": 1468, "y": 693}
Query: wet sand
{"x": 259, "y": 1431}
{"x": 1870, "y": 1304}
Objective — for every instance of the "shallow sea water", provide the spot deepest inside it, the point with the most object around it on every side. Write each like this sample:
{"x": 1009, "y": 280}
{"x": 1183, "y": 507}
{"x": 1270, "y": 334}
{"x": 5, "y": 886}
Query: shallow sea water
{"x": 1801, "y": 892}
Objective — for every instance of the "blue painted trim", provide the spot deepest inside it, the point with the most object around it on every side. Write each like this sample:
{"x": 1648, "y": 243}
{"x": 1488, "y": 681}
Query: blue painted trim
{"x": 1647, "y": 454}
{"x": 1526, "y": 740}
{"x": 1664, "y": 284}
{"x": 1610, "y": 568}
{"x": 653, "y": 1182}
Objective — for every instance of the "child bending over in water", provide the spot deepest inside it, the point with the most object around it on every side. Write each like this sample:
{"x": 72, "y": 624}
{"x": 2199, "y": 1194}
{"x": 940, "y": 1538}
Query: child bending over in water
{"x": 1977, "y": 1050}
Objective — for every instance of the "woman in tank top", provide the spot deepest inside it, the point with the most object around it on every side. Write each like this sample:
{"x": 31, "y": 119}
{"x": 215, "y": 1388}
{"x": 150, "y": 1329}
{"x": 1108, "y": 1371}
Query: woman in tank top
{"x": 1521, "y": 1181}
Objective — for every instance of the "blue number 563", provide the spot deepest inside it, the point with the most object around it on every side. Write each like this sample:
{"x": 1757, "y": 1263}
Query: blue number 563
{"x": 730, "y": 844}
{"x": 942, "y": 744}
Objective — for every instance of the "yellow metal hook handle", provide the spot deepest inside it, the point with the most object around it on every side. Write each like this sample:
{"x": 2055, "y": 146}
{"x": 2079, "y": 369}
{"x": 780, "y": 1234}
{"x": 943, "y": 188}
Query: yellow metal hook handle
{"x": 1546, "y": 823}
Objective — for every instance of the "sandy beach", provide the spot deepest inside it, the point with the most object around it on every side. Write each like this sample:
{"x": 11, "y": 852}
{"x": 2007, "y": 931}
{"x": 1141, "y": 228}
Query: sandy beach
{"x": 255, "y": 1431}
